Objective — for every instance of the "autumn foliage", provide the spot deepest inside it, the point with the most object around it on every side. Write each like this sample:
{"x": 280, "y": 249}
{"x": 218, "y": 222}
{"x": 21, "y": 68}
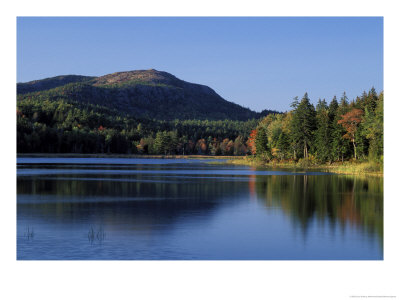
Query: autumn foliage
{"x": 350, "y": 122}
{"x": 251, "y": 142}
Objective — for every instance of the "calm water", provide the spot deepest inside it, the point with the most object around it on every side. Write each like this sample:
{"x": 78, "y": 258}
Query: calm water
{"x": 74, "y": 208}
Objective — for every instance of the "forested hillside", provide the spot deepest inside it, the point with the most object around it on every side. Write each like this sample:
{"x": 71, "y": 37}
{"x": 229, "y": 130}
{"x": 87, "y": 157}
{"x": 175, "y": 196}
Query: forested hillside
{"x": 337, "y": 131}
{"x": 147, "y": 94}
{"x": 147, "y": 112}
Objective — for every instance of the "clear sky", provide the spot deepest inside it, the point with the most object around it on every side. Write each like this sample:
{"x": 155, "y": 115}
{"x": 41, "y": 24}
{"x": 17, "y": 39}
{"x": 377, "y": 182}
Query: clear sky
{"x": 260, "y": 63}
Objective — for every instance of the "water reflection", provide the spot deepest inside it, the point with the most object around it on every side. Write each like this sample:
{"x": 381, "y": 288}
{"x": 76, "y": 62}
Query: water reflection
{"x": 96, "y": 235}
{"x": 347, "y": 200}
{"x": 195, "y": 211}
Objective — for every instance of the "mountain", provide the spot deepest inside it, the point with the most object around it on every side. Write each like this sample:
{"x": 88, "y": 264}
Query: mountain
{"x": 50, "y": 83}
{"x": 148, "y": 94}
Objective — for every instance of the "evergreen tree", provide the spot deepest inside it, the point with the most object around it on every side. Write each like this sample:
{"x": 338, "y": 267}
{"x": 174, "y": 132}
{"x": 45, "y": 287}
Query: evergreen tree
{"x": 303, "y": 124}
{"x": 161, "y": 143}
{"x": 261, "y": 141}
{"x": 332, "y": 110}
{"x": 371, "y": 100}
{"x": 344, "y": 101}
{"x": 322, "y": 134}
{"x": 339, "y": 146}
{"x": 372, "y": 129}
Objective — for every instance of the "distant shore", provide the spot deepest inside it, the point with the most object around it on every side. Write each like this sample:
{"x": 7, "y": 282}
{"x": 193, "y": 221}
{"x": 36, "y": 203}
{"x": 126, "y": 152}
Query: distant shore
{"x": 104, "y": 155}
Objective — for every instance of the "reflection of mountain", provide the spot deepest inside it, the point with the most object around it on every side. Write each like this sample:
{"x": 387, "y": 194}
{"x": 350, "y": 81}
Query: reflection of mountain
{"x": 136, "y": 200}
{"x": 348, "y": 200}
{"x": 132, "y": 215}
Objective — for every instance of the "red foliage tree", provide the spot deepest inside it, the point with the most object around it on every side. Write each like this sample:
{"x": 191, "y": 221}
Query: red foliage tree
{"x": 251, "y": 142}
{"x": 201, "y": 146}
{"x": 350, "y": 122}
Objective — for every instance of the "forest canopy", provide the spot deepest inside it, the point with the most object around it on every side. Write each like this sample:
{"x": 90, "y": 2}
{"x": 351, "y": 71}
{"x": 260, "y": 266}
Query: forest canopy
{"x": 337, "y": 131}
{"x": 66, "y": 127}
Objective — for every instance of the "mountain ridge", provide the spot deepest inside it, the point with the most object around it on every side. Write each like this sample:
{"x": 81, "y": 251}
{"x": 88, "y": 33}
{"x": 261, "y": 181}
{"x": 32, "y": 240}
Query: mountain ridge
{"x": 141, "y": 93}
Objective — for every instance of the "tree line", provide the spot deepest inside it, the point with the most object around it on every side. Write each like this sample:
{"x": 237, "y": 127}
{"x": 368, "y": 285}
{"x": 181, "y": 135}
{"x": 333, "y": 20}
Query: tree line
{"x": 337, "y": 131}
{"x": 60, "y": 126}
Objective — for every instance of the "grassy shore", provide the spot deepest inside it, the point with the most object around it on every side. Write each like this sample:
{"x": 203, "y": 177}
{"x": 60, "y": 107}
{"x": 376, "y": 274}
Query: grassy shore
{"x": 101, "y": 155}
{"x": 351, "y": 168}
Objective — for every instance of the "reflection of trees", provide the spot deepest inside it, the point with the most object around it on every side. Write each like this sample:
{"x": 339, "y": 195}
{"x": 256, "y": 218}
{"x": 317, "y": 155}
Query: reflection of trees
{"x": 136, "y": 185}
{"x": 137, "y": 200}
{"x": 348, "y": 200}
{"x": 145, "y": 198}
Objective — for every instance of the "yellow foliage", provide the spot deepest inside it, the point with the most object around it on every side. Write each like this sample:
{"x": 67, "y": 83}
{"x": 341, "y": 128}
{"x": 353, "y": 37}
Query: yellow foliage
{"x": 275, "y": 151}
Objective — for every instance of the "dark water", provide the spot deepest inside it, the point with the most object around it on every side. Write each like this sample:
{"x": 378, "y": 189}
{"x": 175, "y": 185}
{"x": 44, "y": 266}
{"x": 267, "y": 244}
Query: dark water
{"x": 188, "y": 209}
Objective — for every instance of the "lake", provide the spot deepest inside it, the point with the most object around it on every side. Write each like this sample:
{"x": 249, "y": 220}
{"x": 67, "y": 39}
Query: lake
{"x": 188, "y": 209}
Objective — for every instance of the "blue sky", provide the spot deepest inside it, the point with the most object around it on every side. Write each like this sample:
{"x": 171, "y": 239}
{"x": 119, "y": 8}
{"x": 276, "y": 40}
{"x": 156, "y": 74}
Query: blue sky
{"x": 260, "y": 63}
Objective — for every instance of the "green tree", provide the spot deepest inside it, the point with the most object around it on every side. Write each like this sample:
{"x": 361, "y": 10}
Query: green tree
{"x": 303, "y": 124}
{"x": 161, "y": 142}
{"x": 261, "y": 141}
{"x": 239, "y": 146}
{"x": 322, "y": 134}
{"x": 338, "y": 145}
{"x": 372, "y": 129}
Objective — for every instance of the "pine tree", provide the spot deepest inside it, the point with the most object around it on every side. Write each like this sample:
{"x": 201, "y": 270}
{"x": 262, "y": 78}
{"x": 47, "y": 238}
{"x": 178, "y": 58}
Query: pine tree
{"x": 372, "y": 129}
{"x": 322, "y": 134}
{"x": 261, "y": 141}
{"x": 339, "y": 146}
{"x": 344, "y": 101}
{"x": 333, "y": 107}
{"x": 303, "y": 124}
{"x": 161, "y": 142}
{"x": 371, "y": 100}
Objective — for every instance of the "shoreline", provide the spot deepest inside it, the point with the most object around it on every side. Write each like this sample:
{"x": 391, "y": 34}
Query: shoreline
{"x": 104, "y": 155}
{"x": 346, "y": 168}
{"x": 349, "y": 168}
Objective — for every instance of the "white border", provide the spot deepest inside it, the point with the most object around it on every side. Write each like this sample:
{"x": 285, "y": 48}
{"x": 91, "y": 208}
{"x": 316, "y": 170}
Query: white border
{"x": 198, "y": 279}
